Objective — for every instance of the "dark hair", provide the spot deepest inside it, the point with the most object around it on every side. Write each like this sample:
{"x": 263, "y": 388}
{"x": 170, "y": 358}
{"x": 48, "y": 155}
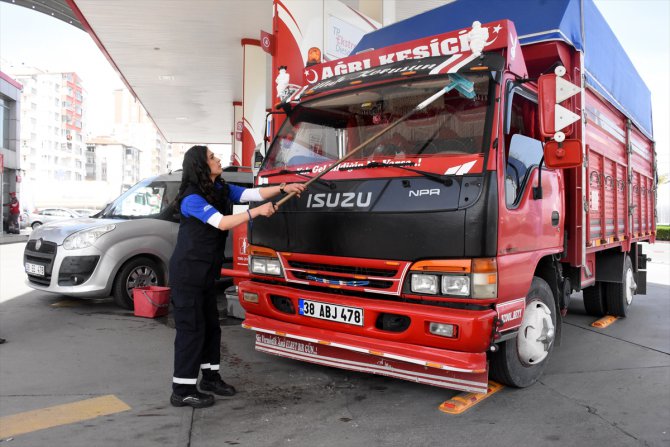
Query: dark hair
{"x": 196, "y": 172}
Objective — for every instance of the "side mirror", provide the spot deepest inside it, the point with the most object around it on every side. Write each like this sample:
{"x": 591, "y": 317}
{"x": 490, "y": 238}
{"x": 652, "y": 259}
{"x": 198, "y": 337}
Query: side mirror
{"x": 567, "y": 154}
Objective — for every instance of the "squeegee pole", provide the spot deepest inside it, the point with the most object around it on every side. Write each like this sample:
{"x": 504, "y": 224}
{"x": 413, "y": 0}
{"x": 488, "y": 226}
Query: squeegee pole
{"x": 420, "y": 106}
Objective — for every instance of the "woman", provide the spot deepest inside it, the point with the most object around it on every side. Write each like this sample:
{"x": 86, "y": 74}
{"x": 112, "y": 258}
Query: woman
{"x": 206, "y": 203}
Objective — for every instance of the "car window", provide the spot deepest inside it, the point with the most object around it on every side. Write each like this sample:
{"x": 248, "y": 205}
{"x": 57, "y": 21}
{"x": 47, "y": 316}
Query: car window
{"x": 144, "y": 200}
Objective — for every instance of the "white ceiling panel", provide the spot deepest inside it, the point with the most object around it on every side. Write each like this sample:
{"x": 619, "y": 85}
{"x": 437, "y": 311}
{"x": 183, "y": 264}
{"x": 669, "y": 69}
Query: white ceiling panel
{"x": 183, "y": 58}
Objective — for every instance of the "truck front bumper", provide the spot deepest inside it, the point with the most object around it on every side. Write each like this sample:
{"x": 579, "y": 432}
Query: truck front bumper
{"x": 460, "y": 371}
{"x": 303, "y": 338}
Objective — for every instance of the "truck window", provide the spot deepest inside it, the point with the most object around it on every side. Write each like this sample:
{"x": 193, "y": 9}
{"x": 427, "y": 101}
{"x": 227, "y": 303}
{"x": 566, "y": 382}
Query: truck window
{"x": 326, "y": 128}
{"x": 522, "y": 148}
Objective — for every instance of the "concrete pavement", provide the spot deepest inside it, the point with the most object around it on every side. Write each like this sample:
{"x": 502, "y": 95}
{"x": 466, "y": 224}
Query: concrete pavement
{"x": 602, "y": 387}
{"x": 6, "y": 238}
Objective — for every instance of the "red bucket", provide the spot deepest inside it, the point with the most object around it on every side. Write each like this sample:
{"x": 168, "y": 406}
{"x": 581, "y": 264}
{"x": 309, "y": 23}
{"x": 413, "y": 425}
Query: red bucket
{"x": 151, "y": 301}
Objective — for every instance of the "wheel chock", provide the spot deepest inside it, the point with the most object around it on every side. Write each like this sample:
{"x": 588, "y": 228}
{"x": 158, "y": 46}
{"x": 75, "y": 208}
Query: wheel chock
{"x": 604, "y": 321}
{"x": 464, "y": 401}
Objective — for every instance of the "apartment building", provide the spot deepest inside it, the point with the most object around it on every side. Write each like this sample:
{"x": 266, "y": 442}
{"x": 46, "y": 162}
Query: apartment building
{"x": 52, "y": 143}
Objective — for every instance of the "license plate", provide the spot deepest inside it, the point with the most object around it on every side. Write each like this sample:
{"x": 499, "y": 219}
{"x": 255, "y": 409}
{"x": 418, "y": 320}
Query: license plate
{"x": 34, "y": 269}
{"x": 331, "y": 312}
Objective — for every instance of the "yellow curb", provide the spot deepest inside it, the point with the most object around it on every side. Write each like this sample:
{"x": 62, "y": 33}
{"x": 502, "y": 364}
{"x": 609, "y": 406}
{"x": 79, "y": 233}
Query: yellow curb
{"x": 464, "y": 401}
{"x": 604, "y": 321}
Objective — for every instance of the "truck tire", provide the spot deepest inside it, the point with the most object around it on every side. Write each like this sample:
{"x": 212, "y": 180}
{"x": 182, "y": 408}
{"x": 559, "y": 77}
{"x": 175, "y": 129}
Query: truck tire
{"x": 521, "y": 360}
{"x": 619, "y": 296}
{"x": 137, "y": 272}
{"x": 594, "y": 300}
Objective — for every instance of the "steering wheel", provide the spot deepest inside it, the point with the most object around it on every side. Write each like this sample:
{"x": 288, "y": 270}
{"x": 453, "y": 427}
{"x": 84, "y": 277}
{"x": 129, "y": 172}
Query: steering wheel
{"x": 426, "y": 148}
{"x": 456, "y": 145}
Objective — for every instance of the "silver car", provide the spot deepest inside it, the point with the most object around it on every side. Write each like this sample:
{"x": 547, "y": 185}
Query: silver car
{"x": 127, "y": 245}
{"x": 46, "y": 215}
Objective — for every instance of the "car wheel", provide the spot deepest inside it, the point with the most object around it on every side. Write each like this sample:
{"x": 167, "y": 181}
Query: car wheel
{"x": 594, "y": 301}
{"x": 521, "y": 361}
{"x": 138, "y": 272}
{"x": 35, "y": 225}
{"x": 620, "y": 295}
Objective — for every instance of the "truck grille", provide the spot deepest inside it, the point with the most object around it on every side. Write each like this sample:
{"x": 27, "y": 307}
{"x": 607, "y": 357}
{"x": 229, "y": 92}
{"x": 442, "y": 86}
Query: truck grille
{"x": 46, "y": 247}
{"x": 363, "y": 275}
{"x": 388, "y": 273}
{"x": 44, "y": 256}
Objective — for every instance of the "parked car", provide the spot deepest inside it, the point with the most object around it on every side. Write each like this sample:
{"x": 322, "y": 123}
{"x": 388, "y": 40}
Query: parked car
{"x": 127, "y": 245}
{"x": 85, "y": 212}
{"x": 36, "y": 219}
{"x": 24, "y": 219}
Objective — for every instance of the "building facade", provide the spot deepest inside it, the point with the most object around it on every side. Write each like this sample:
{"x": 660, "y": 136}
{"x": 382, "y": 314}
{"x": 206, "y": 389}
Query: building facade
{"x": 133, "y": 127}
{"x": 10, "y": 162}
{"x": 52, "y": 126}
{"x": 112, "y": 162}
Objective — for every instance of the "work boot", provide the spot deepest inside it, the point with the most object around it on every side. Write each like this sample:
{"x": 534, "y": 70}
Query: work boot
{"x": 195, "y": 400}
{"x": 217, "y": 386}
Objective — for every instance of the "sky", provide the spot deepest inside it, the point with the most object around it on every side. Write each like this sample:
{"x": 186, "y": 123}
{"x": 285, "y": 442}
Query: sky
{"x": 34, "y": 39}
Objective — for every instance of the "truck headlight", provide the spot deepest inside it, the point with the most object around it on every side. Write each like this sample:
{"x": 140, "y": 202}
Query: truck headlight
{"x": 265, "y": 266}
{"x": 459, "y": 278}
{"x": 86, "y": 238}
{"x": 422, "y": 283}
{"x": 456, "y": 285}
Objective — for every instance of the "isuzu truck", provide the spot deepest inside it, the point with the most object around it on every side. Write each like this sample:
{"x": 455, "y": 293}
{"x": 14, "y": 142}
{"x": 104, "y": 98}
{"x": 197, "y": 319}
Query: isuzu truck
{"x": 481, "y": 165}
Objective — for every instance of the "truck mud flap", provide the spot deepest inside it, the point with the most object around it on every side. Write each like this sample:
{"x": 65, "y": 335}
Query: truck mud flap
{"x": 355, "y": 358}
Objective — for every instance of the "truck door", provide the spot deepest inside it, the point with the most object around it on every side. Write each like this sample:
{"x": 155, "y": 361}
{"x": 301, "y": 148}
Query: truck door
{"x": 527, "y": 224}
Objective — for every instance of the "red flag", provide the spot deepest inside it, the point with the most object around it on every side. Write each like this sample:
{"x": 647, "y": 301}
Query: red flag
{"x": 267, "y": 42}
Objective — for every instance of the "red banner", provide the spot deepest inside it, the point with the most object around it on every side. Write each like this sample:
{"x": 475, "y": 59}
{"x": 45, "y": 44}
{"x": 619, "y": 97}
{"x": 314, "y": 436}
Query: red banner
{"x": 267, "y": 42}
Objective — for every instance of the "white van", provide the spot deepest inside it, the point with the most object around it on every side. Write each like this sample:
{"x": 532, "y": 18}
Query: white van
{"x": 127, "y": 245}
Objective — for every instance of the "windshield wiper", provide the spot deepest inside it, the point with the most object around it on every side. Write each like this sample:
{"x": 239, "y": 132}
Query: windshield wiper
{"x": 288, "y": 171}
{"x": 301, "y": 173}
{"x": 430, "y": 175}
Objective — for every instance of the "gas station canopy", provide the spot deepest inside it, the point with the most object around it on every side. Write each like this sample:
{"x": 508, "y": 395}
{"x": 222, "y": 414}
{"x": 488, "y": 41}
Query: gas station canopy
{"x": 182, "y": 59}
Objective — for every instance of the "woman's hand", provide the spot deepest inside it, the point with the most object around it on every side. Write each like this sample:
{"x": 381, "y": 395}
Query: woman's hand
{"x": 267, "y": 210}
{"x": 297, "y": 188}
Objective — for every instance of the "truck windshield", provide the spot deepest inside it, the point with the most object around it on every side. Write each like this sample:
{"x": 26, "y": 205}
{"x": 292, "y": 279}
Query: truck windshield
{"x": 148, "y": 198}
{"x": 328, "y": 128}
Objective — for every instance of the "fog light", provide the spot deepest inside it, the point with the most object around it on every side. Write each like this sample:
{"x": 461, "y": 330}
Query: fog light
{"x": 250, "y": 297}
{"x": 424, "y": 283}
{"x": 443, "y": 330}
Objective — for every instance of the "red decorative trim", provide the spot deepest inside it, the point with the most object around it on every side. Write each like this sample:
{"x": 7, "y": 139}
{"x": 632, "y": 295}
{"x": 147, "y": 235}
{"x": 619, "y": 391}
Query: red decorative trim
{"x": 254, "y": 42}
{"x": 363, "y": 17}
{"x": 289, "y": 13}
{"x": 98, "y": 42}
{"x": 13, "y": 82}
{"x": 237, "y": 103}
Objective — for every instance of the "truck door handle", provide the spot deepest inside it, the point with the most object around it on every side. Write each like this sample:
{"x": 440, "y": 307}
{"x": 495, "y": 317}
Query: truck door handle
{"x": 554, "y": 218}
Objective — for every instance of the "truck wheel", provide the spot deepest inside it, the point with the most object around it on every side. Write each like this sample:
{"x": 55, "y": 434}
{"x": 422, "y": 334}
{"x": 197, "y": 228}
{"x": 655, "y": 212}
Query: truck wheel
{"x": 138, "y": 272}
{"x": 594, "y": 300}
{"x": 521, "y": 361}
{"x": 620, "y": 295}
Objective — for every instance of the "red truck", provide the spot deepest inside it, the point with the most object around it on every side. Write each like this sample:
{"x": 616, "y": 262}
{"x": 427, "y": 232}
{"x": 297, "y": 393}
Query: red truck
{"x": 486, "y": 177}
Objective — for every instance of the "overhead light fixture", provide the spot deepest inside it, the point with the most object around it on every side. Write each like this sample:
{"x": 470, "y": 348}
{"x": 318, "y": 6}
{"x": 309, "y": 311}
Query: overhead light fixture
{"x": 182, "y": 118}
{"x": 166, "y": 78}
